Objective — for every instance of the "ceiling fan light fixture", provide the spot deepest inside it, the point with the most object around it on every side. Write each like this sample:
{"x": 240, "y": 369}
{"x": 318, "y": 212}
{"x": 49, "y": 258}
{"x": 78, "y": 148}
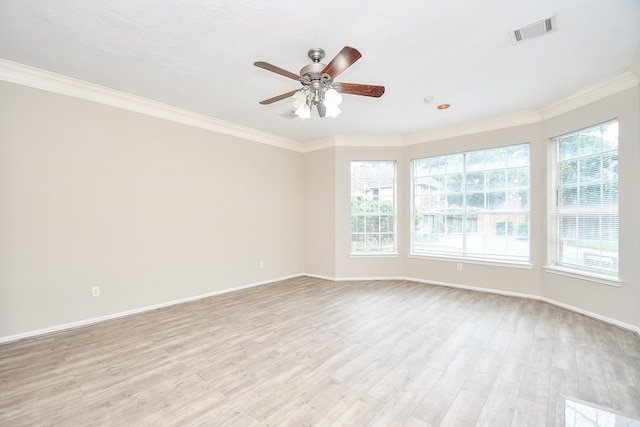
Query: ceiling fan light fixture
{"x": 317, "y": 80}
{"x": 333, "y": 111}
{"x": 298, "y": 99}
{"x": 332, "y": 98}
{"x": 303, "y": 111}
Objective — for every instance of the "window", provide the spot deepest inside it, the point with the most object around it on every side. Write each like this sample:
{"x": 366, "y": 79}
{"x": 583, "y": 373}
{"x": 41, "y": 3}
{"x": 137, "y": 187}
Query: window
{"x": 373, "y": 207}
{"x": 473, "y": 204}
{"x": 586, "y": 208}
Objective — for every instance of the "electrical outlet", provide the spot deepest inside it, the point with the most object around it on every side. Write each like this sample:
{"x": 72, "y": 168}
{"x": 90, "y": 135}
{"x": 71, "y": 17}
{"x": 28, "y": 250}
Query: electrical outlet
{"x": 459, "y": 266}
{"x": 95, "y": 291}
{"x": 261, "y": 264}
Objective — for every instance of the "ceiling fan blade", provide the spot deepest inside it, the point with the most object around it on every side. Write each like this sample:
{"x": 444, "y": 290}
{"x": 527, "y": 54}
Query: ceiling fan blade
{"x": 277, "y": 70}
{"x": 358, "y": 89}
{"x": 343, "y": 60}
{"x": 278, "y": 98}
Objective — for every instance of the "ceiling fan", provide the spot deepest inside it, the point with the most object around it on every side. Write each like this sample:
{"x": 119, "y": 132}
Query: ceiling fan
{"x": 319, "y": 87}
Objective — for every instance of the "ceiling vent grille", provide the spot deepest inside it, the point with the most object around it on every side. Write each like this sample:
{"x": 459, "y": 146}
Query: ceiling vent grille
{"x": 534, "y": 29}
{"x": 291, "y": 114}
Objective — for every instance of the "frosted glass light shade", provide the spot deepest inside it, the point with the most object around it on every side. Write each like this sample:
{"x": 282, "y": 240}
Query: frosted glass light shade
{"x": 332, "y": 98}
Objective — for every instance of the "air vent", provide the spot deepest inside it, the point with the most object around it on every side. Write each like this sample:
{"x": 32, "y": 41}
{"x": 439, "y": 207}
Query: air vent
{"x": 291, "y": 114}
{"x": 534, "y": 29}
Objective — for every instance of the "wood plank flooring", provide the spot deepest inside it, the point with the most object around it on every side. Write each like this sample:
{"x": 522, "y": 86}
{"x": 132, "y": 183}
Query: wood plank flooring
{"x": 311, "y": 352}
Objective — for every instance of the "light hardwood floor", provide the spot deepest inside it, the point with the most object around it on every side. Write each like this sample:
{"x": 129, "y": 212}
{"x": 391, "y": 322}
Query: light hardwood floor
{"x": 307, "y": 352}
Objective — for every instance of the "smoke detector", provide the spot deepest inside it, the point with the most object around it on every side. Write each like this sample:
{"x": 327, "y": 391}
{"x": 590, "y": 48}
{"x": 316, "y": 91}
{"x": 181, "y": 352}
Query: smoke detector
{"x": 533, "y": 29}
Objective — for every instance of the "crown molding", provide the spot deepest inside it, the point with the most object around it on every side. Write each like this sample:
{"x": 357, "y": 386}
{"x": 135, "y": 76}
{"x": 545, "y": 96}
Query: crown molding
{"x": 40, "y": 79}
{"x": 493, "y": 123}
{"x": 52, "y": 82}
{"x": 590, "y": 94}
{"x": 585, "y": 96}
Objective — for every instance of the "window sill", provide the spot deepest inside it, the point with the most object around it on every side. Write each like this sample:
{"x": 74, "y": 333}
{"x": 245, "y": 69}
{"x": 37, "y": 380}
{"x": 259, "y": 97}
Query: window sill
{"x": 479, "y": 261}
{"x": 374, "y": 255}
{"x": 583, "y": 275}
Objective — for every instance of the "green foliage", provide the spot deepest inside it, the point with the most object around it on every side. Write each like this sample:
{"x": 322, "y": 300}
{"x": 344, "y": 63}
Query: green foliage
{"x": 504, "y": 228}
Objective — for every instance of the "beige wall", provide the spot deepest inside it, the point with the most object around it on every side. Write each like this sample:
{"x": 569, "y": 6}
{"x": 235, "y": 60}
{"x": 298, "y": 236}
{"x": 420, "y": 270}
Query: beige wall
{"x": 506, "y": 279}
{"x": 320, "y": 212}
{"x": 617, "y": 304}
{"x": 153, "y": 212}
{"x": 150, "y": 210}
{"x": 359, "y": 266}
{"x": 621, "y": 303}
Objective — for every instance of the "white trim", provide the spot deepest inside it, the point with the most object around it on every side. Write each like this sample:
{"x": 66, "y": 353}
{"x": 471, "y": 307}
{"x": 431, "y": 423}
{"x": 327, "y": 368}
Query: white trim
{"x": 479, "y": 261}
{"x": 359, "y": 255}
{"x": 40, "y": 79}
{"x": 569, "y": 307}
{"x": 100, "y": 319}
{"x": 87, "y": 322}
{"x": 45, "y": 80}
{"x": 475, "y": 288}
{"x": 584, "y": 275}
{"x": 593, "y": 315}
{"x": 367, "y": 278}
{"x": 590, "y": 94}
{"x": 493, "y": 123}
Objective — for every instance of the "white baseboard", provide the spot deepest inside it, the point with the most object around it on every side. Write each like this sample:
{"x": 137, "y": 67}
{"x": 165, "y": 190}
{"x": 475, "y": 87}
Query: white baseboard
{"x": 94, "y": 320}
{"x": 87, "y": 322}
{"x": 569, "y": 307}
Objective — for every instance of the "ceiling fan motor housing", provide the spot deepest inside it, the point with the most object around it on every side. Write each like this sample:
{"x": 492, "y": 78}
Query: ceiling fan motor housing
{"x": 314, "y": 71}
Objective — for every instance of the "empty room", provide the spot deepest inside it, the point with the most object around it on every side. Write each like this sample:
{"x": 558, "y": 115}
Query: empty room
{"x": 278, "y": 213}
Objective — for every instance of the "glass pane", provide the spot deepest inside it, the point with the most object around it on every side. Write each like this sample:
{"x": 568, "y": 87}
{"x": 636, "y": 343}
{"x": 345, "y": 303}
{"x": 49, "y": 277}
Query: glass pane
{"x": 568, "y": 172}
{"x": 386, "y": 224}
{"x": 475, "y": 201}
{"x": 569, "y": 147}
{"x": 590, "y": 195}
{"x": 357, "y": 242}
{"x": 357, "y": 224}
{"x": 453, "y": 183}
{"x": 497, "y": 200}
{"x": 518, "y": 200}
{"x": 518, "y": 155}
{"x": 386, "y": 241}
{"x": 610, "y": 166}
{"x": 589, "y": 169}
{"x": 372, "y": 224}
{"x": 420, "y": 167}
{"x": 475, "y": 181}
{"x": 568, "y": 226}
{"x": 372, "y": 242}
{"x": 454, "y": 202}
{"x": 610, "y": 136}
{"x": 590, "y": 141}
{"x": 518, "y": 178}
{"x": 569, "y": 197}
{"x": 610, "y": 194}
{"x": 496, "y": 158}
{"x": 475, "y": 161}
{"x": 438, "y": 165}
{"x": 454, "y": 163}
{"x": 496, "y": 180}
{"x": 500, "y": 236}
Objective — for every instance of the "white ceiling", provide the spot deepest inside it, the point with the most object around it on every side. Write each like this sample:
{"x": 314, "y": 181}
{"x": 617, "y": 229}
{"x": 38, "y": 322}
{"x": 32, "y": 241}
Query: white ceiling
{"x": 198, "y": 55}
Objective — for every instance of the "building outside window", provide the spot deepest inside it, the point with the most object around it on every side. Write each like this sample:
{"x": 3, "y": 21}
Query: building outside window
{"x": 373, "y": 207}
{"x": 472, "y": 205}
{"x": 586, "y": 209}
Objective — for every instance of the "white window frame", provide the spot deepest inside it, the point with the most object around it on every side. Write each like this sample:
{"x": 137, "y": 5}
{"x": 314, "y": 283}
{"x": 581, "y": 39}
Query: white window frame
{"x": 589, "y": 273}
{"x": 464, "y": 255}
{"x": 392, "y": 247}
